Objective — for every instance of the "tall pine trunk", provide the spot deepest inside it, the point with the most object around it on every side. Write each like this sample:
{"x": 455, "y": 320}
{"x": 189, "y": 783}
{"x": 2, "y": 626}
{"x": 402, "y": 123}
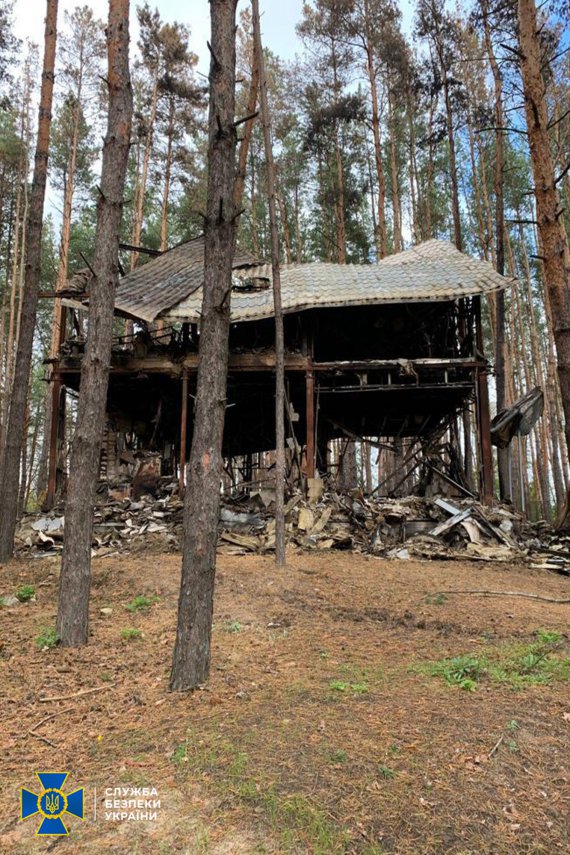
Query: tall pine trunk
{"x": 276, "y": 277}
{"x": 191, "y": 661}
{"x": 553, "y": 238}
{"x": 12, "y": 449}
{"x": 500, "y": 379}
{"x": 75, "y": 580}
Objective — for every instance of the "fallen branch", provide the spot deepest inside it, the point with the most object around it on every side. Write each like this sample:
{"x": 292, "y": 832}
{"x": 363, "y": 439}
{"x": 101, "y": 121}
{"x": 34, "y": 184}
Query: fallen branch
{"x": 47, "y": 718}
{"x": 43, "y": 739}
{"x": 495, "y": 747}
{"x": 506, "y": 594}
{"x": 76, "y": 695}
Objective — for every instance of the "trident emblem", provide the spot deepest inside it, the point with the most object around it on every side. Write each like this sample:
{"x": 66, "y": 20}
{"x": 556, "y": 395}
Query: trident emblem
{"x": 52, "y": 803}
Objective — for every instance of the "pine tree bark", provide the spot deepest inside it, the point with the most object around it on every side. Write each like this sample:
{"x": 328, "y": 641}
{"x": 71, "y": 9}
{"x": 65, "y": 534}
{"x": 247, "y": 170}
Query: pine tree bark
{"x": 140, "y": 194}
{"x": 12, "y": 449}
{"x": 278, "y": 310}
{"x": 396, "y": 204}
{"x": 382, "y": 233}
{"x": 553, "y": 238}
{"x": 438, "y": 42}
{"x": 500, "y": 356}
{"x": 75, "y": 579}
{"x": 192, "y": 651}
{"x": 247, "y": 134}
{"x": 167, "y": 178}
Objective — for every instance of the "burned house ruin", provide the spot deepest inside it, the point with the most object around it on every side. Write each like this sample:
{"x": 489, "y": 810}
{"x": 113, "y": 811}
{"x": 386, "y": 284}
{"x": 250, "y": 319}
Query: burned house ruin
{"x": 390, "y": 350}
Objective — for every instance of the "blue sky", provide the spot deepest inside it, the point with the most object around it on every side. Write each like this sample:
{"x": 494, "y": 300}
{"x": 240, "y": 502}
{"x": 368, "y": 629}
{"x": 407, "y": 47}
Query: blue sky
{"x": 278, "y": 21}
{"x": 279, "y": 18}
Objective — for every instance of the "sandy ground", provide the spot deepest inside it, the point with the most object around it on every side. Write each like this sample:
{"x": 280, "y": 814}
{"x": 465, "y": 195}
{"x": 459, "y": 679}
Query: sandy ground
{"x": 322, "y": 729}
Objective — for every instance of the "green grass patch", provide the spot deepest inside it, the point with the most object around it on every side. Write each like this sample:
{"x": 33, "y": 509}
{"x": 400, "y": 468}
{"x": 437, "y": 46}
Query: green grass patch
{"x": 232, "y": 626}
{"x": 47, "y": 638}
{"x": 141, "y": 603}
{"x": 437, "y": 600}
{"x": 180, "y": 754}
{"x": 385, "y": 772}
{"x": 337, "y": 755}
{"x": 25, "y": 593}
{"x": 519, "y": 665}
{"x": 297, "y": 821}
{"x": 355, "y": 688}
{"x": 130, "y": 634}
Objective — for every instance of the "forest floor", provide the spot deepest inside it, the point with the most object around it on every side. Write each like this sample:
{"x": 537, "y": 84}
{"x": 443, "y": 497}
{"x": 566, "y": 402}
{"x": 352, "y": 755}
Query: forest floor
{"x": 334, "y": 720}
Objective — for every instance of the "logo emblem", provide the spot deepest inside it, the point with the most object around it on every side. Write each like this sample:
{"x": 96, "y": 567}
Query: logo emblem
{"x": 52, "y": 803}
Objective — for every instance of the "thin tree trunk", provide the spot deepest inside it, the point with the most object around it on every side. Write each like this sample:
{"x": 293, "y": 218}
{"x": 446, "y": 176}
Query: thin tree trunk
{"x": 253, "y": 201}
{"x": 428, "y": 232}
{"x": 247, "y": 134}
{"x": 75, "y": 579}
{"x": 276, "y": 276}
{"x": 382, "y": 235}
{"x": 191, "y": 660}
{"x": 285, "y": 229}
{"x": 553, "y": 237}
{"x": 11, "y": 452}
{"x": 396, "y": 205}
{"x": 13, "y": 305}
{"x": 500, "y": 356}
{"x": 438, "y": 43}
{"x": 141, "y": 188}
{"x": 30, "y": 476}
{"x": 340, "y": 203}
{"x": 413, "y": 170}
{"x": 167, "y": 179}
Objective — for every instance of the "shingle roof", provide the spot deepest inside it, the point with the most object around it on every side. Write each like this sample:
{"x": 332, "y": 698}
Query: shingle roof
{"x": 164, "y": 281}
{"x": 434, "y": 270}
{"x": 170, "y": 286}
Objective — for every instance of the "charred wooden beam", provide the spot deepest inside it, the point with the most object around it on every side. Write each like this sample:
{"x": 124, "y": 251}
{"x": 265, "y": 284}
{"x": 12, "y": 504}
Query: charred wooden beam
{"x": 310, "y": 405}
{"x": 55, "y": 438}
{"x": 128, "y": 247}
{"x": 483, "y": 417}
{"x": 183, "y": 432}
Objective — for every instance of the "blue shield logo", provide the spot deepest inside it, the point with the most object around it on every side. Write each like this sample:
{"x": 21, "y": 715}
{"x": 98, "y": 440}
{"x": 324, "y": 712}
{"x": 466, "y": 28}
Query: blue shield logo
{"x": 52, "y": 803}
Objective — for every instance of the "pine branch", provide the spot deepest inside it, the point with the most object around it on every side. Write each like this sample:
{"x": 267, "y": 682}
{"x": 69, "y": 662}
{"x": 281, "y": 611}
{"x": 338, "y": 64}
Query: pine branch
{"x": 562, "y": 174}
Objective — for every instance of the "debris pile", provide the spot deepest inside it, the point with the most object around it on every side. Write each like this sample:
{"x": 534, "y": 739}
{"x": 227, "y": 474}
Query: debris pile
{"x": 401, "y": 529}
{"x": 119, "y": 526}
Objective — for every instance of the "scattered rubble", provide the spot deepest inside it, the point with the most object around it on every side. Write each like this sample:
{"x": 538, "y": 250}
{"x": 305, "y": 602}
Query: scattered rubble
{"x": 400, "y": 529}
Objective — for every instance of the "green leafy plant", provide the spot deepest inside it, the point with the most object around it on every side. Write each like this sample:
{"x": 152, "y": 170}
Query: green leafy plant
{"x": 141, "y": 603}
{"x": 338, "y": 686}
{"x": 338, "y": 755}
{"x": 47, "y": 639}
{"x": 232, "y": 626}
{"x": 343, "y": 686}
{"x": 180, "y": 754}
{"x": 518, "y": 665}
{"x": 437, "y": 599}
{"x": 25, "y": 593}
{"x": 548, "y": 636}
{"x": 385, "y": 772}
{"x": 130, "y": 634}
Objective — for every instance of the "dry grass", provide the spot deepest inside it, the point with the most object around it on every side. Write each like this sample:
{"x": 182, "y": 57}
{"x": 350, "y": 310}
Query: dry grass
{"x": 323, "y": 728}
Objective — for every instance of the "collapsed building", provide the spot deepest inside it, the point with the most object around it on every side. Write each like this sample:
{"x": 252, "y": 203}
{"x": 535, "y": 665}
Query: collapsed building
{"x": 392, "y": 350}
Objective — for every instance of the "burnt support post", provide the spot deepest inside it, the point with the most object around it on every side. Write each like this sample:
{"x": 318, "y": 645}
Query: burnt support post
{"x": 57, "y": 424}
{"x": 310, "y": 408}
{"x": 56, "y": 437}
{"x": 483, "y": 414}
{"x": 183, "y": 432}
